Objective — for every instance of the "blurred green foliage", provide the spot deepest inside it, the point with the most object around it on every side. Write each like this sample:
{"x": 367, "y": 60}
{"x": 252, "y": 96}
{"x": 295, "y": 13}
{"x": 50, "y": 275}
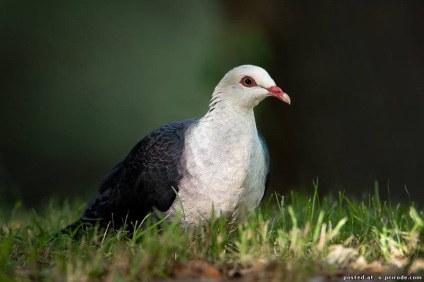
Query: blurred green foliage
{"x": 84, "y": 81}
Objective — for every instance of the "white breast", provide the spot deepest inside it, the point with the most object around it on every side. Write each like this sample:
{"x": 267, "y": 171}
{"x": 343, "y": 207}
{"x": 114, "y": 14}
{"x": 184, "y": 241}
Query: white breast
{"x": 224, "y": 170}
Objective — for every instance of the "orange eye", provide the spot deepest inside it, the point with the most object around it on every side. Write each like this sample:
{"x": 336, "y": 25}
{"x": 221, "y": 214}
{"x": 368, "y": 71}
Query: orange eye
{"x": 248, "y": 81}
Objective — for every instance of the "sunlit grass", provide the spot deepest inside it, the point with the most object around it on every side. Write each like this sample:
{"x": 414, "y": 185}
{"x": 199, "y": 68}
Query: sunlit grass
{"x": 298, "y": 237}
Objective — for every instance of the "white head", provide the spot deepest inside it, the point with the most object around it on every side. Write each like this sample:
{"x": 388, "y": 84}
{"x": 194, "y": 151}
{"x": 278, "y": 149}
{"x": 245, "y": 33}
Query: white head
{"x": 247, "y": 85}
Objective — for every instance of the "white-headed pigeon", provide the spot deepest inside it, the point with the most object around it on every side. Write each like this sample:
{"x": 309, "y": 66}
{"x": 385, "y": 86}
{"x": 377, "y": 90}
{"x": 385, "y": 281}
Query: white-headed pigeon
{"x": 216, "y": 165}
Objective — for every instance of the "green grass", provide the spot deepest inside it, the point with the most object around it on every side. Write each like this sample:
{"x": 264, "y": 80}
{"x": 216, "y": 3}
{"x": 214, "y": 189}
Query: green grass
{"x": 300, "y": 237}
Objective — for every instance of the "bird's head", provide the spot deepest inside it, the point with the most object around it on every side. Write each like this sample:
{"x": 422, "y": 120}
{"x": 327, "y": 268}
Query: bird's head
{"x": 247, "y": 85}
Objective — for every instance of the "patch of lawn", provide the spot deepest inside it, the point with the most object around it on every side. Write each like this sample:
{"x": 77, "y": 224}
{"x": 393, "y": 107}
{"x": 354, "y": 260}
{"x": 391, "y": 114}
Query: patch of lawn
{"x": 300, "y": 238}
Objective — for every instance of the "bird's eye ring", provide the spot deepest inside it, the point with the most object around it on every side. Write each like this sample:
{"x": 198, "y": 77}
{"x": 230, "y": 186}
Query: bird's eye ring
{"x": 248, "y": 81}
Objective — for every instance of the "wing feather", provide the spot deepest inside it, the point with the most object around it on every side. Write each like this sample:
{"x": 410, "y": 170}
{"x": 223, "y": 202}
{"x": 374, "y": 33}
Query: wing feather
{"x": 146, "y": 179}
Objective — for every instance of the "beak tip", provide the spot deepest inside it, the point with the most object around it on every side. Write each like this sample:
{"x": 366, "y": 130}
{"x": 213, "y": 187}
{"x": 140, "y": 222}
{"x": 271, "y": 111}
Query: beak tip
{"x": 286, "y": 98}
{"x": 280, "y": 94}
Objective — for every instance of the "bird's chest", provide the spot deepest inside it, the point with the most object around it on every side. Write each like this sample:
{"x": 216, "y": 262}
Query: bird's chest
{"x": 226, "y": 173}
{"x": 220, "y": 164}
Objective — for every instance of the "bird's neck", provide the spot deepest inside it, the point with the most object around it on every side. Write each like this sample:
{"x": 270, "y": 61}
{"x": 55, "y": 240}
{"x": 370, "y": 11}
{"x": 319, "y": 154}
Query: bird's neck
{"x": 227, "y": 117}
{"x": 223, "y": 107}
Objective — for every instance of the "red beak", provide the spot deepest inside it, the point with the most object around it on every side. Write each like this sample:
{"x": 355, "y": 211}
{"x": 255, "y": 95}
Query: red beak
{"x": 278, "y": 93}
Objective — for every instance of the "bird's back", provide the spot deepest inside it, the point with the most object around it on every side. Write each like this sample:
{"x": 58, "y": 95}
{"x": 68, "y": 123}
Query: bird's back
{"x": 146, "y": 179}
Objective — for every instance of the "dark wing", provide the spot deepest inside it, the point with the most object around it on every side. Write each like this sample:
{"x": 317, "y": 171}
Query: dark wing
{"x": 267, "y": 160}
{"x": 147, "y": 178}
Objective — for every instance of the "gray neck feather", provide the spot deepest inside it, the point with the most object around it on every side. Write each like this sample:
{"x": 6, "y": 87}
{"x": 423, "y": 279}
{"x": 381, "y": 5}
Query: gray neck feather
{"x": 222, "y": 109}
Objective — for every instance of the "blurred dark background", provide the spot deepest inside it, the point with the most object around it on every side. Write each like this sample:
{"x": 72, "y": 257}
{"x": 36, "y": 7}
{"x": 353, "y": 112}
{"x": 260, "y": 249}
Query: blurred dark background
{"x": 82, "y": 82}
